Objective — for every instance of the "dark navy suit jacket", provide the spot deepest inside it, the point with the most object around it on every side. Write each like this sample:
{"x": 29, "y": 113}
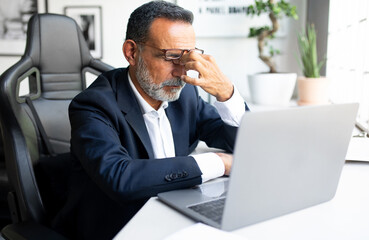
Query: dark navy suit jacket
{"x": 115, "y": 171}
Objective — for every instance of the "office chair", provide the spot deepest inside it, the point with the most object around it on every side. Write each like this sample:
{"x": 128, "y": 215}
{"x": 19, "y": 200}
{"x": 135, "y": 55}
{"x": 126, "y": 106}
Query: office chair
{"x": 4, "y": 189}
{"x": 35, "y": 126}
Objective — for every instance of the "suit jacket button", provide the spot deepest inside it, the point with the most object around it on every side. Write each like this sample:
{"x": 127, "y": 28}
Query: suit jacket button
{"x": 173, "y": 176}
{"x": 168, "y": 178}
{"x": 185, "y": 174}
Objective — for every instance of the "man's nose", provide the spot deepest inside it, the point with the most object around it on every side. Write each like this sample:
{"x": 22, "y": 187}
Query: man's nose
{"x": 178, "y": 69}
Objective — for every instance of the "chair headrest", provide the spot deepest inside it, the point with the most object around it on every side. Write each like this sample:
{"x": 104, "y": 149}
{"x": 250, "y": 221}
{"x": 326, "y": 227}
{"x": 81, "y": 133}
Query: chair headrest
{"x": 55, "y": 44}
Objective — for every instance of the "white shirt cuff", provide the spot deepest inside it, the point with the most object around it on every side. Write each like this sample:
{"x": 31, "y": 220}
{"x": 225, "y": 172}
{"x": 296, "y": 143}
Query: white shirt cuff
{"x": 210, "y": 164}
{"x": 232, "y": 110}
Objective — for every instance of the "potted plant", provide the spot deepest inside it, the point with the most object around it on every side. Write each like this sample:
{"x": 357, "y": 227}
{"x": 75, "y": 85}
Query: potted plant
{"x": 270, "y": 88}
{"x": 312, "y": 88}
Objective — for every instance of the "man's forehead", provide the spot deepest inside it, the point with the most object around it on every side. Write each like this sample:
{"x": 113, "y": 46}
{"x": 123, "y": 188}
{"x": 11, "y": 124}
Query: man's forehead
{"x": 168, "y": 32}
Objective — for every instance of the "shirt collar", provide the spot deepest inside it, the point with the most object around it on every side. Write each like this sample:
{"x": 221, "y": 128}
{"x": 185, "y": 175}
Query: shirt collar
{"x": 145, "y": 106}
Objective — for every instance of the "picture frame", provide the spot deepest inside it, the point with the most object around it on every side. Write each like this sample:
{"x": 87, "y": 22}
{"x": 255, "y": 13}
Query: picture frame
{"x": 89, "y": 20}
{"x": 14, "y": 19}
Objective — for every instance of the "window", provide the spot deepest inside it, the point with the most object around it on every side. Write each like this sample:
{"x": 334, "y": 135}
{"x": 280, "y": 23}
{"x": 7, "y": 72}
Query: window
{"x": 348, "y": 54}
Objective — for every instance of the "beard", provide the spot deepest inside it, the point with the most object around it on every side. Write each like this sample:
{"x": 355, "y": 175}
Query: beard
{"x": 157, "y": 91}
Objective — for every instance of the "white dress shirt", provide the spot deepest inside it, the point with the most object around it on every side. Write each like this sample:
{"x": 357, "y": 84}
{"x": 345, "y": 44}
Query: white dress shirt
{"x": 161, "y": 137}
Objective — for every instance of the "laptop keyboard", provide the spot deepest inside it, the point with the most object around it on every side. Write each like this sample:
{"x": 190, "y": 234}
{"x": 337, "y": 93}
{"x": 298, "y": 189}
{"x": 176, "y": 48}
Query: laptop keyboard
{"x": 212, "y": 209}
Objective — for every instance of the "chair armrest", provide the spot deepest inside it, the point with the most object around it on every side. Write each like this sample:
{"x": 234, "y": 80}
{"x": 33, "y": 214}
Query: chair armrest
{"x": 29, "y": 230}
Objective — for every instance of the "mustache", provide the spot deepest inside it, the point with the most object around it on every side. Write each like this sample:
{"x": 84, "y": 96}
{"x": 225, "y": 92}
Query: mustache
{"x": 173, "y": 82}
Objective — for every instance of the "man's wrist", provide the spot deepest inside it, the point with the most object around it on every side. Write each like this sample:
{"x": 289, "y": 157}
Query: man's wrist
{"x": 210, "y": 164}
{"x": 232, "y": 110}
{"x": 227, "y": 95}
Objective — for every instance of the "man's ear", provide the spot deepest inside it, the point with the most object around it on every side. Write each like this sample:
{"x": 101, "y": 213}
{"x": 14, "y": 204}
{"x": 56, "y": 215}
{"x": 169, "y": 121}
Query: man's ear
{"x": 130, "y": 51}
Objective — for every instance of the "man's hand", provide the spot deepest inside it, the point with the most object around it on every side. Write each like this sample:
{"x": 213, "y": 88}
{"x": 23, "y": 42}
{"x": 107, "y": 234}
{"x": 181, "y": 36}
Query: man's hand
{"x": 227, "y": 160}
{"x": 211, "y": 79}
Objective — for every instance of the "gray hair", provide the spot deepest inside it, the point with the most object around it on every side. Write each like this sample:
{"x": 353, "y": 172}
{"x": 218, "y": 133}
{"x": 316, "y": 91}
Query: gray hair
{"x": 141, "y": 19}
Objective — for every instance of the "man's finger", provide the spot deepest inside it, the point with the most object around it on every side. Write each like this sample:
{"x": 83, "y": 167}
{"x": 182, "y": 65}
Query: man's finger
{"x": 190, "y": 80}
{"x": 194, "y": 65}
{"x": 191, "y": 56}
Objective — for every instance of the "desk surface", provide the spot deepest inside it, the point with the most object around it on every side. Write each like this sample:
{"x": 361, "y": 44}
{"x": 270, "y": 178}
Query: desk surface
{"x": 344, "y": 217}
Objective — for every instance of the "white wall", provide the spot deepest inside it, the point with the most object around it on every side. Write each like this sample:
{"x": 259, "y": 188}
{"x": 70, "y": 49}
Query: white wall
{"x": 237, "y": 57}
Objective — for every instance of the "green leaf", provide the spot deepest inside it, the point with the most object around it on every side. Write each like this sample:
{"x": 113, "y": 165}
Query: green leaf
{"x": 273, "y": 52}
{"x": 254, "y": 32}
{"x": 308, "y": 52}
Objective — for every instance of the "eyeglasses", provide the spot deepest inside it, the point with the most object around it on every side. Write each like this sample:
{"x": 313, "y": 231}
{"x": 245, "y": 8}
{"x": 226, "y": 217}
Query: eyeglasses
{"x": 174, "y": 53}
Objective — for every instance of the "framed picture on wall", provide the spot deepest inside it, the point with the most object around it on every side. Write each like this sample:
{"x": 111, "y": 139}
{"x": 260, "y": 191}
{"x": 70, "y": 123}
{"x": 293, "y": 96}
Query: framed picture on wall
{"x": 14, "y": 17}
{"x": 89, "y": 19}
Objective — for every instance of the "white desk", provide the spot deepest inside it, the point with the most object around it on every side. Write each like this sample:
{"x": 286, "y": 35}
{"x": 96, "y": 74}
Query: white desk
{"x": 344, "y": 217}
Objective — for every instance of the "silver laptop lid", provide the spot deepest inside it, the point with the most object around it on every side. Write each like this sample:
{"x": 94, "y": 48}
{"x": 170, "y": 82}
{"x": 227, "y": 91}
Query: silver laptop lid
{"x": 286, "y": 160}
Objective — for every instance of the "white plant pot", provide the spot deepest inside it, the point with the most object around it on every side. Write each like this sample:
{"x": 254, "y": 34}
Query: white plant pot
{"x": 272, "y": 88}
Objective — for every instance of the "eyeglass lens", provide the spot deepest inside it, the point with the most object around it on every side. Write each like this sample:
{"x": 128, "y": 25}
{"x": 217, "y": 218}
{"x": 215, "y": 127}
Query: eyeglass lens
{"x": 172, "y": 54}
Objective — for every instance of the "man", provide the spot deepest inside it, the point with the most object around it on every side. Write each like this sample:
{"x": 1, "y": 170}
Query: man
{"x": 134, "y": 128}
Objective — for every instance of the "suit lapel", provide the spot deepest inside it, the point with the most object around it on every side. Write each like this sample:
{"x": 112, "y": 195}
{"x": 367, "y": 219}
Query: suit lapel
{"x": 130, "y": 108}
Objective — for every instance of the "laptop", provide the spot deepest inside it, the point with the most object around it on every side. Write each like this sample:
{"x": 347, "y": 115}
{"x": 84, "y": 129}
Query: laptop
{"x": 284, "y": 161}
